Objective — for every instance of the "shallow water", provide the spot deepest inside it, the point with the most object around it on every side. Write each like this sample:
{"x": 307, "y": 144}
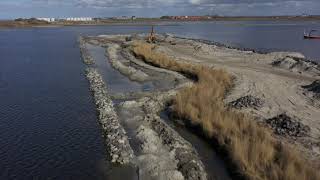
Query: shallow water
{"x": 116, "y": 82}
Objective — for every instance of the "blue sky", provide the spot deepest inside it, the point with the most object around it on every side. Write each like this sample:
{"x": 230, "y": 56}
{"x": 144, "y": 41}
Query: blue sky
{"x": 106, "y": 8}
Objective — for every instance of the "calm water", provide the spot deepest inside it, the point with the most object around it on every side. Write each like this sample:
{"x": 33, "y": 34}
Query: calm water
{"x": 116, "y": 82}
{"x": 48, "y": 125}
{"x": 266, "y": 36}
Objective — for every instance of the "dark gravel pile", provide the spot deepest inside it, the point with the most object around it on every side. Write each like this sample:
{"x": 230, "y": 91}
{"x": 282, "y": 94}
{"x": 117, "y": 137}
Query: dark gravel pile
{"x": 285, "y": 125}
{"x": 246, "y": 102}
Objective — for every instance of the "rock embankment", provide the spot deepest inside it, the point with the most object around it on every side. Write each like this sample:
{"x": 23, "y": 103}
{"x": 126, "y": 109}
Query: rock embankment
{"x": 86, "y": 57}
{"x": 189, "y": 163}
{"x": 155, "y": 161}
{"x": 177, "y": 156}
{"x": 116, "y": 139}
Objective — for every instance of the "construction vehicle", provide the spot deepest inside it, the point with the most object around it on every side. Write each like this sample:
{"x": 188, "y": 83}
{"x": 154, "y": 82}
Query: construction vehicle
{"x": 152, "y": 36}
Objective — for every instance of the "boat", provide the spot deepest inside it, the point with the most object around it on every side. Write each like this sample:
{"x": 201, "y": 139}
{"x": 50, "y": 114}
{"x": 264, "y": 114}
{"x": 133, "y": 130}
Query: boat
{"x": 310, "y": 35}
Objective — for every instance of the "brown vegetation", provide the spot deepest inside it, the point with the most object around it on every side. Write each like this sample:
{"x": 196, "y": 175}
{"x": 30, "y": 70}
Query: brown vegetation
{"x": 250, "y": 146}
{"x": 23, "y": 23}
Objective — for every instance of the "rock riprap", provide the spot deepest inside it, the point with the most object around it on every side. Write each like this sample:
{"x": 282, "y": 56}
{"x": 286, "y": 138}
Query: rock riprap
{"x": 189, "y": 163}
{"x": 117, "y": 142}
{"x": 86, "y": 57}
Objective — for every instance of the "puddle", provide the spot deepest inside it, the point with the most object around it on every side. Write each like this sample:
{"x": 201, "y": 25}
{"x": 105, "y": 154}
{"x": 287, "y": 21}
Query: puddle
{"x": 116, "y": 82}
{"x": 130, "y": 123}
{"x": 215, "y": 166}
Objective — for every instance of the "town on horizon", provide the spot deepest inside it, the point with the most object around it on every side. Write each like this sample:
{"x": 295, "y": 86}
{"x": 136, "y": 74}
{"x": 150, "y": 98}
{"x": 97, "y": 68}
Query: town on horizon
{"x": 181, "y": 17}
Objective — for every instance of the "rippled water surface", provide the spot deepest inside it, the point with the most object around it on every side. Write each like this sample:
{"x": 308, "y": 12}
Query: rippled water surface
{"x": 48, "y": 124}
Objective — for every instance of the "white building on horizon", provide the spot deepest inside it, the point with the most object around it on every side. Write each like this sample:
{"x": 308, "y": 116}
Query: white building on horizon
{"x": 79, "y": 19}
{"x": 46, "y": 19}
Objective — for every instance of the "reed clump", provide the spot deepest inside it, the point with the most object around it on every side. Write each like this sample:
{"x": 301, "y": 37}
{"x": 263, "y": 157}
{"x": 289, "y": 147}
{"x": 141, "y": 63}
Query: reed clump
{"x": 250, "y": 146}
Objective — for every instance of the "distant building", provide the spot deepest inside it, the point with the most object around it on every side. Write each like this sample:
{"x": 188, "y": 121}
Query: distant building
{"x": 46, "y": 19}
{"x": 79, "y": 19}
{"x": 192, "y": 18}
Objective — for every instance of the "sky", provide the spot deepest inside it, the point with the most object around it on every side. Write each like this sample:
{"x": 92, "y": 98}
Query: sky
{"x": 10, "y": 9}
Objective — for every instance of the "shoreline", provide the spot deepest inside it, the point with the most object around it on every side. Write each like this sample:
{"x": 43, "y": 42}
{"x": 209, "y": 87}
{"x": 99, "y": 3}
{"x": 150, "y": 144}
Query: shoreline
{"x": 254, "y": 50}
{"x": 153, "y": 21}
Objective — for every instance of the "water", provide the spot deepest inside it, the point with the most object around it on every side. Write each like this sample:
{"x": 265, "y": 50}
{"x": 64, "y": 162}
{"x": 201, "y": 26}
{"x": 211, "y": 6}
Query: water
{"x": 48, "y": 123}
{"x": 48, "y": 126}
{"x": 116, "y": 82}
{"x": 267, "y": 35}
{"x": 262, "y": 35}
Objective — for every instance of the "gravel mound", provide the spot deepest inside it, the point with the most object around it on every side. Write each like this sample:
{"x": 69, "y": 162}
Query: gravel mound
{"x": 285, "y": 125}
{"x": 246, "y": 102}
{"x": 297, "y": 64}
